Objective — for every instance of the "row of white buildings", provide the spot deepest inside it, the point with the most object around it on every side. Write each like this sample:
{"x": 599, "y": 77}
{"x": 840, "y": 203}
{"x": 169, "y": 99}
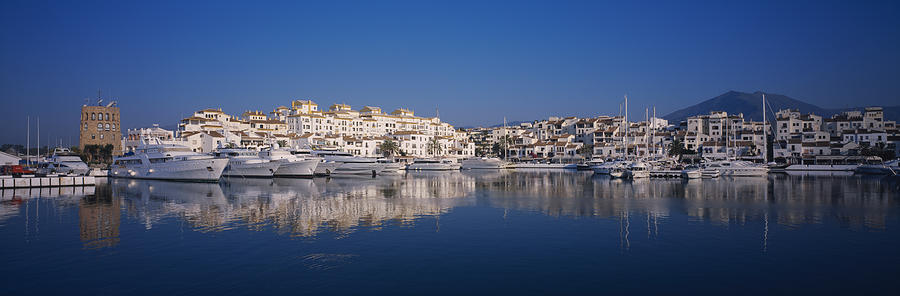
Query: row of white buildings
{"x": 361, "y": 132}
{"x": 714, "y": 135}
{"x": 303, "y": 125}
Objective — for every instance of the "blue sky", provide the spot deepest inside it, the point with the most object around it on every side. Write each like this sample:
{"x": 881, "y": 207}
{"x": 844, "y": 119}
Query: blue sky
{"x": 475, "y": 61}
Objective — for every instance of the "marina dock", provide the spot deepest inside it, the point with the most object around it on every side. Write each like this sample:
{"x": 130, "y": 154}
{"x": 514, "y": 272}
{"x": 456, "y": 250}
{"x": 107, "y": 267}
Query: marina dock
{"x": 31, "y": 181}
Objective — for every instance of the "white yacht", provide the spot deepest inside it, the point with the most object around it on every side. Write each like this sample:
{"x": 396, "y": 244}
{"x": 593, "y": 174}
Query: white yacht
{"x": 452, "y": 162}
{"x": 590, "y": 164}
{"x": 431, "y": 165}
{"x": 390, "y": 165}
{"x": 545, "y": 165}
{"x": 247, "y": 163}
{"x": 323, "y": 168}
{"x": 617, "y": 172}
{"x": 168, "y": 162}
{"x": 637, "y": 170}
{"x": 290, "y": 165}
{"x": 65, "y": 161}
{"x": 886, "y": 168}
{"x": 350, "y": 164}
{"x": 482, "y": 163}
{"x": 737, "y": 168}
{"x": 606, "y": 167}
{"x": 691, "y": 172}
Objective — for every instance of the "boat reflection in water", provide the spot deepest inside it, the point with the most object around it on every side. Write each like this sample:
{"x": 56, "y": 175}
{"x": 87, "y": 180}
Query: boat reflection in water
{"x": 296, "y": 206}
{"x": 305, "y": 207}
{"x": 517, "y": 230}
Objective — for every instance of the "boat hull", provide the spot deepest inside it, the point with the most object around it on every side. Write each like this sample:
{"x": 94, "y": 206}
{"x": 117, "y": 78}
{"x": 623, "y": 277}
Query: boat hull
{"x": 325, "y": 168}
{"x": 259, "y": 169}
{"x": 297, "y": 168}
{"x": 481, "y": 164}
{"x": 430, "y": 167}
{"x": 822, "y": 167}
{"x": 358, "y": 168}
{"x": 196, "y": 170}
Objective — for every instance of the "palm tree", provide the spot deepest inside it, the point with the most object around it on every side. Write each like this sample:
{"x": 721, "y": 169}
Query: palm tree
{"x": 106, "y": 153}
{"x": 434, "y": 146}
{"x": 676, "y": 148}
{"x": 389, "y": 148}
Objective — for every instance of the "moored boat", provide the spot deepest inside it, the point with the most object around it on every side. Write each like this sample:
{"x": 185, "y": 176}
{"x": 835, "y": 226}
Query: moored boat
{"x": 480, "y": 163}
{"x": 288, "y": 164}
{"x": 64, "y": 161}
{"x": 247, "y": 163}
{"x": 430, "y": 165}
{"x": 350, "y": 164}
{"x": 738, "y": 168}
{"x": 168, "y": 162}
{"x": 637, "y": 170}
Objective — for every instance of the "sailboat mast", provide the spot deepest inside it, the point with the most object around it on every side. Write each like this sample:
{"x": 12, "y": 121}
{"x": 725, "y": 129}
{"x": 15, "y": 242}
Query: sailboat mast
{"x": 27, "y": 139}
{"x": 625, "y": 124}
{"x": 765, "y": 132}
{"x": 505, "y": 144}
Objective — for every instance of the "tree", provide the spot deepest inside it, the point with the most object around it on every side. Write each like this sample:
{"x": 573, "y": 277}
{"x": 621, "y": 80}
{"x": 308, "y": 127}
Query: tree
{"x": 495, "y": 149}
{"x": 587, "y": 151}
{"x": 434, "y": 146}
{"x": 676, "y": 148}
{"x": 106, "y": 153}
{"x": 282, "y": 143}
{"x": 389, "y": 148}
{"x": 880, "y": 150}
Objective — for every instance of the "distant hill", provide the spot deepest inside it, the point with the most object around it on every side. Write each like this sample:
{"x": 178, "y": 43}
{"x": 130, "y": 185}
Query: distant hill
{"x": 750, "y": 104}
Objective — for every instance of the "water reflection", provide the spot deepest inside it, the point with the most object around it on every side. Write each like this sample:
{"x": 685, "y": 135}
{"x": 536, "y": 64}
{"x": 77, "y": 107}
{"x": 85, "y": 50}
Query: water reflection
{"x": 307, "y": 207}
{"x": 301, "y": 207}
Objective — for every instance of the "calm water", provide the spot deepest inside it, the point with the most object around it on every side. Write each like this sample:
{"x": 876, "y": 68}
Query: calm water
{"x": 454, "y": 233}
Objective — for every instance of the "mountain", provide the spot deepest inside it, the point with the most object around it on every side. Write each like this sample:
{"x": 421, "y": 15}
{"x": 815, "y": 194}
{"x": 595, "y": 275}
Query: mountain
{"x": 750, "y": 104}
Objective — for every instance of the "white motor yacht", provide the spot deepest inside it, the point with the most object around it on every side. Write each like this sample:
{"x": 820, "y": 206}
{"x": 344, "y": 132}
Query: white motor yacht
{"x": 886, "y": 168}
{"x": 430, "y": 165}
{"x": 738, "y": 168}
{"x": 65, "y": 161}
{"x": 168, "y": 162}
{"x": 479, "y": 163}
{"x": 544, "y": 165}
{"x": 616, "y": 172}
{"x": 606, "y": 167}
{"x": 247, "y": 163}
{"x": 590, "y": 164}
{"x": 452, "y": 162}
{"x": 691, "y": 172}
{"x": 350, "y": 164}
{"x": 290, "y": 165}
{"x": 323, "y": 168}
{"x": 637, "y": 170}
{"x": 390, "y": 165}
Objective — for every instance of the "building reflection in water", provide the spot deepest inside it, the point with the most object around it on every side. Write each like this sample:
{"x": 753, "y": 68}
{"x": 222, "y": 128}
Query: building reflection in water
{"x": 860, "y": 202}
{"x": 99, "y": 219}
{"x": 307, "y": 207}
{"x": 302, "y": 207}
